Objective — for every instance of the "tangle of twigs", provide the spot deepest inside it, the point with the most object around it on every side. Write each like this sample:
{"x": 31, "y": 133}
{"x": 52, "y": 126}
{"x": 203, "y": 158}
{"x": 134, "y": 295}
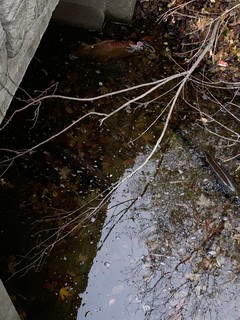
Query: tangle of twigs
{"x": 73, "y": 219}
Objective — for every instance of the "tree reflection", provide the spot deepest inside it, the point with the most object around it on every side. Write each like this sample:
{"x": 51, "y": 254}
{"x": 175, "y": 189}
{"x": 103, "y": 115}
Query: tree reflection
{"x": 189, "y": 267}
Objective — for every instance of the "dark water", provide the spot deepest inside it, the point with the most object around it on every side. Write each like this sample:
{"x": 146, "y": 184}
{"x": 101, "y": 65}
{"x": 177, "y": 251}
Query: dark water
{"x": 164, "y": 244}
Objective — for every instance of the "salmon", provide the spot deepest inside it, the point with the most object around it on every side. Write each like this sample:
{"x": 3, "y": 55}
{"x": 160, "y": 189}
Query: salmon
{"x": 112, "y": 49}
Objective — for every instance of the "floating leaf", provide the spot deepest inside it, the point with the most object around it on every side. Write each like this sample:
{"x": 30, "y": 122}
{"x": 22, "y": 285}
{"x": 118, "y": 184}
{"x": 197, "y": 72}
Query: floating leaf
{"x": 65, "y": 292}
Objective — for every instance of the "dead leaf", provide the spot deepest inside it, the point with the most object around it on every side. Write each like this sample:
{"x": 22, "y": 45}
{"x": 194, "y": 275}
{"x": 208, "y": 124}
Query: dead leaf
{"x": 65, "y": 292}
{"x": 128, "y": 162}
{"x": 204, "y": 202}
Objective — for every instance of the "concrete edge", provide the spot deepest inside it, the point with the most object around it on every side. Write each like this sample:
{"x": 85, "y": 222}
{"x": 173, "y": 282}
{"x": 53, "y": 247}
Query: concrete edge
{"x": 7, "y": 309}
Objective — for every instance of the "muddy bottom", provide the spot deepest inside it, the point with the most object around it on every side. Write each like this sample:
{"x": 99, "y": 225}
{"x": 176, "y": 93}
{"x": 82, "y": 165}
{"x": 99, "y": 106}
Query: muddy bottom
{"x": 85, "y": 236}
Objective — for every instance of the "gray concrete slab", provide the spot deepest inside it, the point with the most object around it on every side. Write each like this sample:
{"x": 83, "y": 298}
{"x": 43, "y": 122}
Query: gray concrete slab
{"x": 120, "y": 10}
{"x": 87, "y": 14}
{"x": 17, "y": 64}
{"x": 91, "y": 14}
{"x": 7, "y": 310}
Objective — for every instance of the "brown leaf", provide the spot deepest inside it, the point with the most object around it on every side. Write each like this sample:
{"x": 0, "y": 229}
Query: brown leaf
{"x": 65, "y": 292}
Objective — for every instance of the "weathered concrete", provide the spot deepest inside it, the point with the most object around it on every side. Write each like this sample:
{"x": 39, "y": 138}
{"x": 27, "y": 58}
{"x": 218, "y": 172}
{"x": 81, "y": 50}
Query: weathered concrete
{"x": 22, "y": 24}
{"x": 7, "y": 310}
{"x": 3, "y": 58}
{"x": 120, "y": 10}
{"x": 89, "y": 14}
{"x": 92, "y": 13}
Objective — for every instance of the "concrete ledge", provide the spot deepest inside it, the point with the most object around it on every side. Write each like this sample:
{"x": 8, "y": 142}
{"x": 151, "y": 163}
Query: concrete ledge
{"x": 7, "y": 310}
{"x": 120, "y": 10}
{"x": 91, "y": 14}
{"x": 81, "y": 15}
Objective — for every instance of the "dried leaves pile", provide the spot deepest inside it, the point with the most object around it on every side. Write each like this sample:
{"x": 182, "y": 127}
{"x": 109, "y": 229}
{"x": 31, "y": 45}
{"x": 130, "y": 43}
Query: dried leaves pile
{"x": 191, "y": 21}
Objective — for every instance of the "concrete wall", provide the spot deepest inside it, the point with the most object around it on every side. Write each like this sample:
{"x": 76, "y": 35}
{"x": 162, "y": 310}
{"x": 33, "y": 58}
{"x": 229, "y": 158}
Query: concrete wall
{"x": 91, "y": 14}
{"x": 7, "y": 310}
{"x": 22, "y": 24}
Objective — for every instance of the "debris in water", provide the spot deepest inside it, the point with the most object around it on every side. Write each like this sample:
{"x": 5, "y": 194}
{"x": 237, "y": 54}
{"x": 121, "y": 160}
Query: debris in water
{"x": 221, "y": 172}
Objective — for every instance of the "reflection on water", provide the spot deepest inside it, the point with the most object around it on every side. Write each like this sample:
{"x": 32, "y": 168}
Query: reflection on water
{"x": 170, "y": 245}
{"x": 166, "y": 250}
{"x": 112, "y": 292}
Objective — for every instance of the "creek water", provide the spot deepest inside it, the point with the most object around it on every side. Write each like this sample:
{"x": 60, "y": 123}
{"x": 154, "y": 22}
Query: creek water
{"x": 164, "y": 244}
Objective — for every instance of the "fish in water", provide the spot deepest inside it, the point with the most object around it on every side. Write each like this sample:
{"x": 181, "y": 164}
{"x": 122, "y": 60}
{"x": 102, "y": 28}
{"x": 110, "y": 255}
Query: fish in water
{"x": 221, "y": 173}
{"x": 112, "y": 49}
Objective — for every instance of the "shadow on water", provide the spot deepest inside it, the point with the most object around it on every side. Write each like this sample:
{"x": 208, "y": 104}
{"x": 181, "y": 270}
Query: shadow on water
{"x": 166, "y": 243}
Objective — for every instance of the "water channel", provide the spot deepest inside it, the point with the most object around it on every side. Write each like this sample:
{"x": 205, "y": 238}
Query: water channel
{"x": 163, "y": 244}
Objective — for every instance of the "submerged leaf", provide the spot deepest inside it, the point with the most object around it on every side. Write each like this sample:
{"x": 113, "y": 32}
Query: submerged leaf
{"x": 65, "y": 292}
